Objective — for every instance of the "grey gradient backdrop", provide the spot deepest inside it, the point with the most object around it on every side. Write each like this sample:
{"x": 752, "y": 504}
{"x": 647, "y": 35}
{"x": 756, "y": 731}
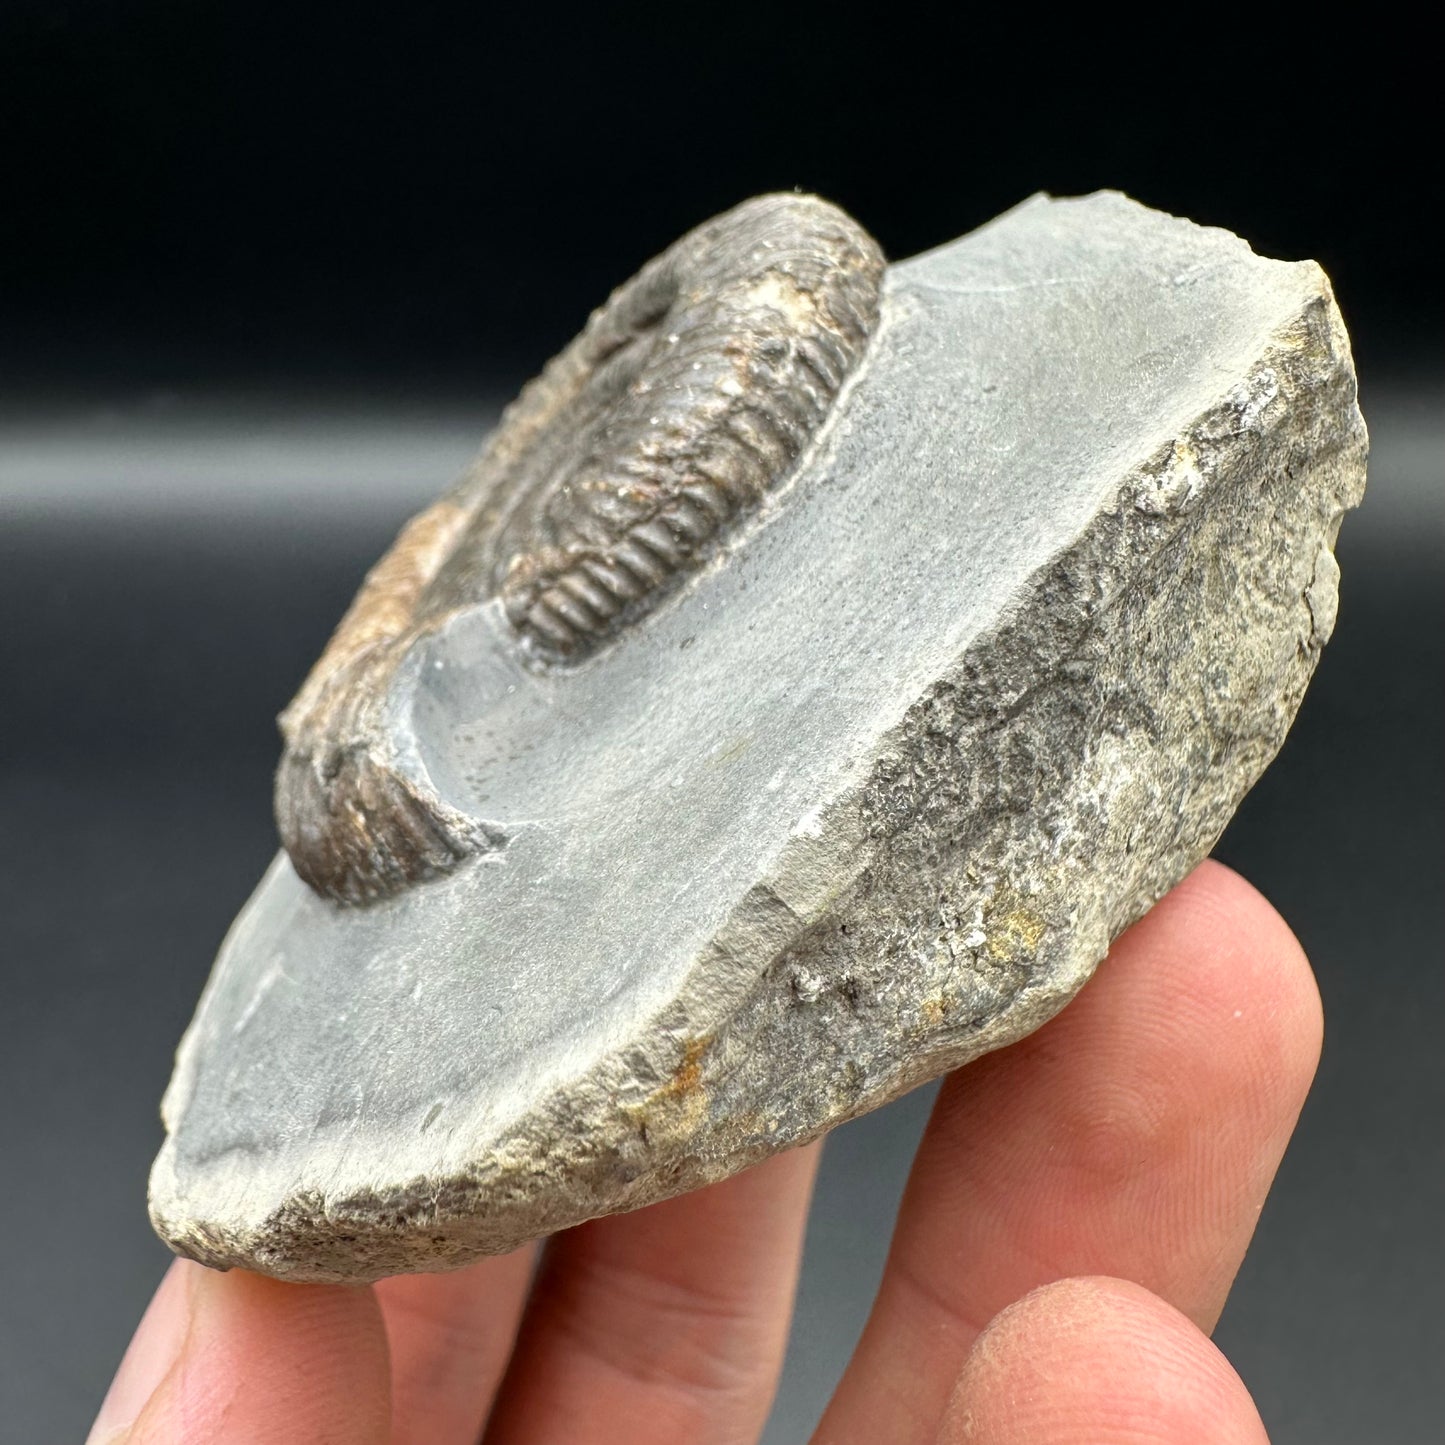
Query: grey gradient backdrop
{"x": 264, "y": 279}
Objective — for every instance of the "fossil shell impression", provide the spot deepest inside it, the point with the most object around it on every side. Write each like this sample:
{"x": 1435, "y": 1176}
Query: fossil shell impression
{"x": 687, "y": 398}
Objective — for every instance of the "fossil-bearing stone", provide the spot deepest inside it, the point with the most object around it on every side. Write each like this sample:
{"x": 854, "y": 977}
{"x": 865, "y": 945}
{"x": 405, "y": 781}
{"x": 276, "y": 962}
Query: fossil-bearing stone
{"x": 980, "y": 665}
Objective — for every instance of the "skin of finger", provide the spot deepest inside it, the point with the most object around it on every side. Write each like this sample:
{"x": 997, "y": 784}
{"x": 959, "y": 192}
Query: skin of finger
{"x": 1135, "y": 1135}
{"x": 1100, "y": 1361}
{"x": 151, "y": 1354}
{"x": 266, "y": 1363}
{"x": 666, "y": 1324}
{"x": 451, "y": 1336}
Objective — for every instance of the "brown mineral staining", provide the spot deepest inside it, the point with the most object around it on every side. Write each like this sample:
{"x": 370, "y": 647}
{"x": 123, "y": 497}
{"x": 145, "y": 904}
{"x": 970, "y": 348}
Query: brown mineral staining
{"x": 1014, "y": 930}
{"x": 934, "y": 1010}
{"x": 681, "y": 1102}
{"x": 687, "y": 1077}
{"x": 686, "y": 399}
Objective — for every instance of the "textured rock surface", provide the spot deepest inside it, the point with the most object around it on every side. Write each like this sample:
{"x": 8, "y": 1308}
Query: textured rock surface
{"x": 867, "y": 799}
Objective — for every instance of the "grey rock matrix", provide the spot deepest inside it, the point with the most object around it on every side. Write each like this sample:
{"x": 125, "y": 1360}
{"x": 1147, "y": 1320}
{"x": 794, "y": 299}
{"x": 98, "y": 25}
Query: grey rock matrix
{"x": 974, "y": 674}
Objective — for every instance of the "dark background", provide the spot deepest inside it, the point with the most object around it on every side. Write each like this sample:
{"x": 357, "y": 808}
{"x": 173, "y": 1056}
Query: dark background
{"x": 266, "y": 274}
{"x": 241, "y": 194}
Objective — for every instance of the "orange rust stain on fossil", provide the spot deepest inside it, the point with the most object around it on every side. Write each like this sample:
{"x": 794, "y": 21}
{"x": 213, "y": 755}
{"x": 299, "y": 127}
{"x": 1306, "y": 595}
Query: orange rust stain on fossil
{"x": 379, "y": 620}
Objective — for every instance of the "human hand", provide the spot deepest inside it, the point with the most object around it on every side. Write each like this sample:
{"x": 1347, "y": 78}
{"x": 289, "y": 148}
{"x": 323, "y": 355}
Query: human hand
{"x": 1074, "y": 1219}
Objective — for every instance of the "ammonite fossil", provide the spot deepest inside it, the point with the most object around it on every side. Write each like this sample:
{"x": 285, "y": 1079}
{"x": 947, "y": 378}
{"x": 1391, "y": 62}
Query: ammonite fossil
{"x": 687, "y": 398}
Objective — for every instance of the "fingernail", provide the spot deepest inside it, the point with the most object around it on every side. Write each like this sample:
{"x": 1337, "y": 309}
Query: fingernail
{"x": 154, "y": 1349}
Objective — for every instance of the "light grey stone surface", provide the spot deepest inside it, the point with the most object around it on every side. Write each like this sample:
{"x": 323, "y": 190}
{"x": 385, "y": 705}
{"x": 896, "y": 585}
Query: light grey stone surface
{"x": 868, "y": 798}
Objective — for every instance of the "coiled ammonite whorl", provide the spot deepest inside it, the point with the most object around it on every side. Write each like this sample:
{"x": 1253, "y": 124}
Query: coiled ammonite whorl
{"x": 687, "y": 398}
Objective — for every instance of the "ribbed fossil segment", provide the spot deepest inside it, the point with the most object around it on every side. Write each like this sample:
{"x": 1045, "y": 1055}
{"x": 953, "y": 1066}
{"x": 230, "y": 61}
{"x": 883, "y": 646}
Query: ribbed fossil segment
{"x": 687, "y": 398}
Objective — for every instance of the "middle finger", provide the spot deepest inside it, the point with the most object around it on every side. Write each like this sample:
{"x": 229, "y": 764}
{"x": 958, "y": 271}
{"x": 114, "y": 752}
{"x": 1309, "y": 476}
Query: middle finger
{"x": 1135, "y": 1136}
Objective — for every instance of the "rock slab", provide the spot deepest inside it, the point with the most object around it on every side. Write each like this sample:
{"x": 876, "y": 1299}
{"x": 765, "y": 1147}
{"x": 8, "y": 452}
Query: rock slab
{"x": 868, "y": 798}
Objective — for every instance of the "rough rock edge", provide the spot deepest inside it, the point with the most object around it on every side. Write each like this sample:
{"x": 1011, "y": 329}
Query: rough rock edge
{"x": 1239, "y": 511}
